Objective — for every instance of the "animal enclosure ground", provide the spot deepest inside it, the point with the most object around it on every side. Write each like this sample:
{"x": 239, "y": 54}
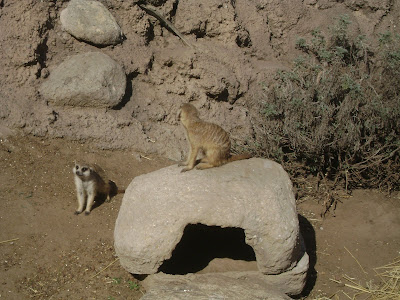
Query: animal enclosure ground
{"x": 58, "y": 255}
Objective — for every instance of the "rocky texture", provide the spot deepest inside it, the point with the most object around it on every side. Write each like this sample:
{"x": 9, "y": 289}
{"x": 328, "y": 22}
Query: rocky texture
{"x": 290, "y": 282}
{"x": 237, "y": 47}
{"x": 217, "y": 19}
{"x": 90, "y": 79}
{"x": 254, "y": 195}
{"x": 90, "y": 21}
{"x": 209, "y": 286}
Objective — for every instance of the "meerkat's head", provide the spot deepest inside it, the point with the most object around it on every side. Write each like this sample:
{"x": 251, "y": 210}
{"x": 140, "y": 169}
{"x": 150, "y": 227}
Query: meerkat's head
{"x": 187, "y": 113}
{"x": 81, "y": 170}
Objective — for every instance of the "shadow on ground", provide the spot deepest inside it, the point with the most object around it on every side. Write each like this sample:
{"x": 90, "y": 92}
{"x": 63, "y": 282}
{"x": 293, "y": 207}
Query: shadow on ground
{"x": 308, "y": 233}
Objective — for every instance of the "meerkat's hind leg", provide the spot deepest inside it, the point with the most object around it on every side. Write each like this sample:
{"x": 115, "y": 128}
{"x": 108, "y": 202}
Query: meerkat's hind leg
{"x": 186, "y": 169}
{"x": 211, "y": 160}
{"x": 208, "y": 164}
{"x": 203, "y": 160}
{"x": 203, "y": 166}
{"x": 206, "y": 161}
{"x": 184, "y": 164}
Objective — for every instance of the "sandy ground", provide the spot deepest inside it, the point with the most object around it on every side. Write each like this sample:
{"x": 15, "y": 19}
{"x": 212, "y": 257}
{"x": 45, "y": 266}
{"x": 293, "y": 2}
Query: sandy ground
{"x": 58, "y": 255}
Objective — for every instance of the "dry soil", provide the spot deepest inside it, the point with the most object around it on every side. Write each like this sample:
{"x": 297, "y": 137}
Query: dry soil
{"x": 47, "y": 252}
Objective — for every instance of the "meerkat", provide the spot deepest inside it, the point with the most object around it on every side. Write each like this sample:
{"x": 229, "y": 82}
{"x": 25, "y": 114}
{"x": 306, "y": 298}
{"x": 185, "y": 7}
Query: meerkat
{"x": 207, "y": 137}
{"x": 90, "y": 181}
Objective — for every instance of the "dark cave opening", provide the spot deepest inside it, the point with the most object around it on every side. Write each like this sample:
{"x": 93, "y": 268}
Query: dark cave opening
{"x": 200, "y": 244}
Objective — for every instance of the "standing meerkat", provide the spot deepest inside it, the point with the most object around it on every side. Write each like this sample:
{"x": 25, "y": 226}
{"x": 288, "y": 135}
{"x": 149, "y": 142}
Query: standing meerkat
{"x": 90, "y": 181}
{"x": 209, "y": 138}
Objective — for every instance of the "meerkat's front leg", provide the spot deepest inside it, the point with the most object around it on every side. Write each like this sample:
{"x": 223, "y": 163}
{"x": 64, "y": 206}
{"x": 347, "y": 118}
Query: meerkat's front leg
{"x": 80, "y": 195}
{"x": 90, "y": 201}
{"x": 191, "y": 161}
{"x": 186, "y": 162}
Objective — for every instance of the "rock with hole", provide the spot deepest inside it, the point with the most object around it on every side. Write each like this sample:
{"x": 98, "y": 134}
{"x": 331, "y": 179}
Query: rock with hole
{"x": 254, "y": 195}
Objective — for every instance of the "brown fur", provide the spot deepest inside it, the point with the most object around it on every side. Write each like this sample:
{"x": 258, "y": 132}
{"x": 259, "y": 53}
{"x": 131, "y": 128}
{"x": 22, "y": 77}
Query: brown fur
{"x": 209, "y": 138}
{"x": 91, "y": 181}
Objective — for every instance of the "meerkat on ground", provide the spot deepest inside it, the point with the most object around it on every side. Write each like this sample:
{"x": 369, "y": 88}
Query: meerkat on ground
{"x": 91, "y": 181}
{"x": 207, "y": 137}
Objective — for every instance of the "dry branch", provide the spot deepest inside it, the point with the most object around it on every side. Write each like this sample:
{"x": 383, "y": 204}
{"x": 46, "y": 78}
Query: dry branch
{"x": 389, "y": 288}
{"x": 355, "y": 260}
{"x": 109, "y": 265}
{"x": 8, "y": 241}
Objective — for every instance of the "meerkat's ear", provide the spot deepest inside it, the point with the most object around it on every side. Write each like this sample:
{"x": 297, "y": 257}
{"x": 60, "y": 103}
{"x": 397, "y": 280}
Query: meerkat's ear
{"x": 178, "y": 115}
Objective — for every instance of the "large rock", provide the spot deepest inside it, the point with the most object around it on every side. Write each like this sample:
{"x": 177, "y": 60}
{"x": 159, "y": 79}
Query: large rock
{"x": 209, "y": 286}
{"x": 90, "y": 21}
{"x": 254, "y": 195}
{"x": 253, "y": 284}
{"x": 91, "y": 79}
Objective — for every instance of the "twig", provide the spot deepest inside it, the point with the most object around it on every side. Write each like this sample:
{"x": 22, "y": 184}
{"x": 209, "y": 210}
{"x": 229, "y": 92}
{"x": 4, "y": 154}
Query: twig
{"x": 336, "y": 281}
{"x": 12, "y": 240}
{"x": 104, "y": 268}
{"x": 356, "y": 260}
{"x": 347, "y": 295}
{"x": 389, "y": 265}
{"x": 378, "y": 158}
{"x": 152, "y": 11}
{"x": 145, "y": 157}
{"x": 319, "y": 252}
{"x": 358, "y": 288}
{"x": 364, "y": 290}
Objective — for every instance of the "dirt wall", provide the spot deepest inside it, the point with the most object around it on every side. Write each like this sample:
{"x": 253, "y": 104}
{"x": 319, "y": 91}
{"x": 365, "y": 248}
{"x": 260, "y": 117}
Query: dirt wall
{"x": 236, "y": 46}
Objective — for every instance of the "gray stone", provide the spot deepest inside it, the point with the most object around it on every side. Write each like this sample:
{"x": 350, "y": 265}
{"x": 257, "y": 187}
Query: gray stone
{"x": 208, "y": 286}
{"x": 290, "y": 282}
{"x": 253, "y": 284}
{"x": 254, "y": 195}
{"x": 90, "y": 21}
{"x": 91, "y": 79}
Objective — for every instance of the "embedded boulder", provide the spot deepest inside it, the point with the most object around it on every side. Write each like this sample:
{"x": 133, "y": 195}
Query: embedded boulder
{"x": 91, "y": 22}
{"x": 254, "y": 195}
{"x": 91, "y": 79}
{"x": 209, "y": 286}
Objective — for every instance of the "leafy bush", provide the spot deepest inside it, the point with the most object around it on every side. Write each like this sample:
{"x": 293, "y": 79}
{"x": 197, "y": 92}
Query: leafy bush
{"x": 336, "y": 113}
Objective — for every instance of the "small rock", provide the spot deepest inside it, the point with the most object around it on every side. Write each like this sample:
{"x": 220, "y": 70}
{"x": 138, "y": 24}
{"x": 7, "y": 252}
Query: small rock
{"x": 91, "y": 21}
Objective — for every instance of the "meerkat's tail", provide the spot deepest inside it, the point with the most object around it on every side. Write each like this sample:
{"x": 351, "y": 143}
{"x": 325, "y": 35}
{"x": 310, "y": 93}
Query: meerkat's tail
{"x": 114, "y": 190}
{"x": 239, "y": 157}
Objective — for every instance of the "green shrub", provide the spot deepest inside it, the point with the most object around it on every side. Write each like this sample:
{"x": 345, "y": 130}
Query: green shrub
{"x": 336, "y": 112}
